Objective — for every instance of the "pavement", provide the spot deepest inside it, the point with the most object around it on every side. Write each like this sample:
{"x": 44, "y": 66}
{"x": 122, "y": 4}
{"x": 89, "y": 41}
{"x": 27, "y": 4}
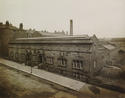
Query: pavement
{"x": 55, "y": 78}
{"x": 16, "y": 84}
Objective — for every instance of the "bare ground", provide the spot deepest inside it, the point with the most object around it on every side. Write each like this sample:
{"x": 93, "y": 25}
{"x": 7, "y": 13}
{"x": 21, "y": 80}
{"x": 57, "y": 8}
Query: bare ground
{"x": 16, "y": 84}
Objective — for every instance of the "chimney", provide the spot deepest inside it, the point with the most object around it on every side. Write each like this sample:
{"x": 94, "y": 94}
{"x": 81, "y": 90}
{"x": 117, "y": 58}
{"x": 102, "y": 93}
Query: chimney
{"x": 7, "y": 23}
{"x": 71, "y": 27}
{"x": 21, "y": 26}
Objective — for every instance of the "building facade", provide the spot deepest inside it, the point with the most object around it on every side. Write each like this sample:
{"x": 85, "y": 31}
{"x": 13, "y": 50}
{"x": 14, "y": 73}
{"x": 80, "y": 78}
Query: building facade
{"x": 72, "y": 56}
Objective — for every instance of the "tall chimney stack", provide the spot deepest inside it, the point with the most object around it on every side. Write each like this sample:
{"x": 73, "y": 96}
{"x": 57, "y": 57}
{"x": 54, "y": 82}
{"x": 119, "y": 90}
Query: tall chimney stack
{"x": 71, "y": 27}
{"x": 21, "y": 26}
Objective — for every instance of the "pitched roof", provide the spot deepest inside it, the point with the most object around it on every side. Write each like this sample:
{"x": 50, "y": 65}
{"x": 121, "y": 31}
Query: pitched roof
{"x": 59, "y": 39}
{"x": 109, "y": 47}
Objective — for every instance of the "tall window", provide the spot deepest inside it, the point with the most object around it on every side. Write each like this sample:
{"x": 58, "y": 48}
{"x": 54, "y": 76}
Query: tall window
{"x": 49, "y": 60}
{"x": 40, "y": 58}
{"x": 62, "y": 62}
{"x": 77, "y": 64}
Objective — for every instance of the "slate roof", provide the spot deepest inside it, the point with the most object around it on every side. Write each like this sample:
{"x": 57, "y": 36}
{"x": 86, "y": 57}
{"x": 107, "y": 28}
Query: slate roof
{"x": 84, "y": 39}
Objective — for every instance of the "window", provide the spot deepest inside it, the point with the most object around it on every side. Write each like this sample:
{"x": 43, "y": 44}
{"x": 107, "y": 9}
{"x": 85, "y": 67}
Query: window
{"x": 62, "y": 53}
{"x": 34, "y": 51}
{"x": 49, "y": 60}
{"x": 77, "y": 75}
{"x": 41, "y": 58}
{"x": 77, "y": 64}
{"x": 62, "y": 62}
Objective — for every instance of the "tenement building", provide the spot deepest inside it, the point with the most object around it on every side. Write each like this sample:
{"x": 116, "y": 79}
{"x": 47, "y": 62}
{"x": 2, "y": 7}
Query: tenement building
{"x": 9, "y": 32}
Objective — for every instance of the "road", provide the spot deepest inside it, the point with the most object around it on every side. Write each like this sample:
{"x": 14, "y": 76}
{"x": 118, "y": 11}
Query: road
{"x": 16, "y": 84}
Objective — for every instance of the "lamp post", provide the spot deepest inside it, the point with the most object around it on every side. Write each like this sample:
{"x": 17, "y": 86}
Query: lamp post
{"x": 31, "y": 68}
{"x": 30, "y": 60}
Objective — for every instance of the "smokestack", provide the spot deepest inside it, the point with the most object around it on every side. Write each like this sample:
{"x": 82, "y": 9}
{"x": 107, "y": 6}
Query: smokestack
{"x": 21, "y": 26}
{"x": 71, "y": 27}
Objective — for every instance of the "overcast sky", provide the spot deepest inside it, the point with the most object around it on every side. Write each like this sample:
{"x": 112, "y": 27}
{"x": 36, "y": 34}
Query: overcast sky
{"x": 105, "y": 18}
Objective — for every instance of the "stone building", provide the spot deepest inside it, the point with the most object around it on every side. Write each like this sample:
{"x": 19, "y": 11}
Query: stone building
{"x": 9, "y": 32}
{"x": 80, "y": 57}
{"x": 101, "y": 54}
{"x": 53, "y": 34}
{"x": 73, "y": 56}
{"x": 6, "y": 34}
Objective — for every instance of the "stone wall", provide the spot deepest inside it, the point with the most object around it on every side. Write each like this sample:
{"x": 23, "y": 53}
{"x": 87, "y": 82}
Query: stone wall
{"x": 79, "y": 53}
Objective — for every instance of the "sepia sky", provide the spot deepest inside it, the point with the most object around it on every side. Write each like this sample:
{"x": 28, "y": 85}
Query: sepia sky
{"x": 105, "y": 18}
